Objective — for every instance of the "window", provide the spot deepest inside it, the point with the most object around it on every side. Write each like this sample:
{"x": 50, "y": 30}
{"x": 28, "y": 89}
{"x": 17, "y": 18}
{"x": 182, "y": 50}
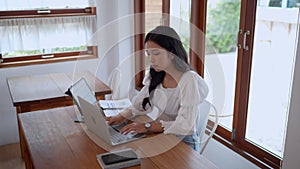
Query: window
{"x": 180, "y": 12}
{"x": 256, "y": 102}
{"x": 153, "y": 18}
{"x": 255, "y": 49}
{"x": 153, "y": 10}
{"x": 162, "y": 12}
{"x": 269, "y": 97}
{"x": 222, "y": 26}
{"x": 148, "y": 15}
{"x": 36, "y": 31}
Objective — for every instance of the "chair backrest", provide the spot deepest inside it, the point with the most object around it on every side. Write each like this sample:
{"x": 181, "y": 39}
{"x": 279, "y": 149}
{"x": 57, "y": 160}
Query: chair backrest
{"x": 114, "y": 84}
{"x": 207, "y": 128}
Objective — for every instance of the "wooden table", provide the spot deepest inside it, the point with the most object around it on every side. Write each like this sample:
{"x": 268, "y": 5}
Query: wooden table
{"x": 53, "y": 140}
{"x": 39, "y": 92}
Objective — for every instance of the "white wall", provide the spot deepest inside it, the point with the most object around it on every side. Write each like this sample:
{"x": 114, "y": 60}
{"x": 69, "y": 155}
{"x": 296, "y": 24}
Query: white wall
{"x": 8, "y": 120}
{"x": 110, "y": 56}
{"x": 115, "y": 38}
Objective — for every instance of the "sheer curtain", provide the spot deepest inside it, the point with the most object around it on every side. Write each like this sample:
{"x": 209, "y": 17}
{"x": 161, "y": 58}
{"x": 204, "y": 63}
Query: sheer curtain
{"x": 45, "y": 33}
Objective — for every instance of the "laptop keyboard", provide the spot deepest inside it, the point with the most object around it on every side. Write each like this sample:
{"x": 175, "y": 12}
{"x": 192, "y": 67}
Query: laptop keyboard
{"x": 118, "y": 127}
{"x": 117, "y": 137}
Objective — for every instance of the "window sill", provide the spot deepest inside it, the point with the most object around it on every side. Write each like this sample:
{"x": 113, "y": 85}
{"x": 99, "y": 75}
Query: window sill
{"x": 46, "y": 61}
{"x": 259, "y": 159}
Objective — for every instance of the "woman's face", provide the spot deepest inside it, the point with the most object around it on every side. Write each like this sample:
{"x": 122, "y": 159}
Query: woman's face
{"x": 160, "y": 59}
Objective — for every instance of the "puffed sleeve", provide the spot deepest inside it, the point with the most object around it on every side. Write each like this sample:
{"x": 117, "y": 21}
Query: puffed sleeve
{"x": 193, "y": 91}
{"x": 137, "y": 100}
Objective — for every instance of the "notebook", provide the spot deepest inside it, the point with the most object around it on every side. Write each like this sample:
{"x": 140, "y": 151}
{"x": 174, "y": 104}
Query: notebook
{"x": 96, "y": 123}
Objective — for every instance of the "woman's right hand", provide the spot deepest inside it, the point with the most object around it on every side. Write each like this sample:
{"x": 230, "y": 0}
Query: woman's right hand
{"x": 113, "y": 120}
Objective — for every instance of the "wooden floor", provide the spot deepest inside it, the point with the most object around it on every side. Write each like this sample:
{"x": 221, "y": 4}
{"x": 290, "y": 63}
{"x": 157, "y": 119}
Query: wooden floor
{"x": 10, "y": 157}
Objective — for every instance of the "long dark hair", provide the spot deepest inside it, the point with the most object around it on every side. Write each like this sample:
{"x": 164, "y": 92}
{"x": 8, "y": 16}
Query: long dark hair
{"x": 167, "y": 38}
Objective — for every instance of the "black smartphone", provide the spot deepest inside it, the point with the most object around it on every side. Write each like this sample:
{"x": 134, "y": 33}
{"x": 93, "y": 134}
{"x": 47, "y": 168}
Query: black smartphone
{"x": 118, "y": 157}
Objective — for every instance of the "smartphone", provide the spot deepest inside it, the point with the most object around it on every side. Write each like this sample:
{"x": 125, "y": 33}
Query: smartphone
{"x": 118, "y": 157}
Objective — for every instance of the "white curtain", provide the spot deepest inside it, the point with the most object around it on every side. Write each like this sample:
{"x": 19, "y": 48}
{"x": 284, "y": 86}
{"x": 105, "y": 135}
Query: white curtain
{"x": 45, "y": 33}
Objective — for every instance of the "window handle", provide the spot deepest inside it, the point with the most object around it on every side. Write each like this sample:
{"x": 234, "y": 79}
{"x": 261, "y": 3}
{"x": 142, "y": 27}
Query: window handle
{"x": 245, "y": 39}
{"x": 47, "y": 56}
{"x": 43, "y": 11}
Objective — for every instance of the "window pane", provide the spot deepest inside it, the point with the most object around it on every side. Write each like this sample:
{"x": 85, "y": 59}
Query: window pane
{"x": 45, "y": 35}
{"x": 153, "y": 9}
{"x": 17, "y": 53}
{"x": 221, "y": 39}
{"x": 271, "y": 76}
{"x": 153, "y": 18}
{"x": 180, "y": 12}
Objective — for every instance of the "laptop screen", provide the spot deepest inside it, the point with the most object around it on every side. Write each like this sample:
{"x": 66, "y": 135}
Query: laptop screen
{"x": 82, "y": 89}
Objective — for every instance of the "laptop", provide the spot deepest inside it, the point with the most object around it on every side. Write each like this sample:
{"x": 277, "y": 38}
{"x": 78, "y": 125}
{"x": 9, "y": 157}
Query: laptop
{"x": 82, "y": 89}
{"x": 95, "y": 121}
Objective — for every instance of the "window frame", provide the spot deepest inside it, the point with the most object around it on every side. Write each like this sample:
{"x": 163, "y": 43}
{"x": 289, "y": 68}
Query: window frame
{"x": 235, "y": 139}
{"x": 139, "y": 29}
{"x": 11, "y": 14}
{"x": 91, "y": 51}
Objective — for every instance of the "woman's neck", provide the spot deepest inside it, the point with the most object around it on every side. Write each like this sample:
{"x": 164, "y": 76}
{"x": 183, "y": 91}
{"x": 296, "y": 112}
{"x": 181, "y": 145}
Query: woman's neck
{"x": 171, "y": 80}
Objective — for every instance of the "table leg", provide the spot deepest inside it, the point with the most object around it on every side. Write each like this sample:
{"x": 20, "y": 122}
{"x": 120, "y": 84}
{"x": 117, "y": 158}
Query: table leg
{"x": 24, "y": 149}
{"x": 22, "y": 140}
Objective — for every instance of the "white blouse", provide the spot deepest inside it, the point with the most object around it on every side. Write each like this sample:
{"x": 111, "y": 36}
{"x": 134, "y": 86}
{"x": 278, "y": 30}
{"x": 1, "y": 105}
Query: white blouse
{"x": 178, "y": 107}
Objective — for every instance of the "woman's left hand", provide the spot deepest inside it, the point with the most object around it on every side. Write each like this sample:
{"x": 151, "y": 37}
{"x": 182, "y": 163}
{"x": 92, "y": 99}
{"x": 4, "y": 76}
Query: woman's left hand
{"x": 134, "y": 128}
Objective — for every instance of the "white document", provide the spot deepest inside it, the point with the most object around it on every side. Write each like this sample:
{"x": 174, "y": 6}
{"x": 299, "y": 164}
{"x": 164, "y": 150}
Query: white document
{"x": 114, "y": 107}
{"x": 115, "y": 104}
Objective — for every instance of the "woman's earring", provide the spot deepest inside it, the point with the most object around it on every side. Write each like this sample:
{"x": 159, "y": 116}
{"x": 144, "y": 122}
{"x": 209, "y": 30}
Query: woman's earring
{"x": 172, "y": 56}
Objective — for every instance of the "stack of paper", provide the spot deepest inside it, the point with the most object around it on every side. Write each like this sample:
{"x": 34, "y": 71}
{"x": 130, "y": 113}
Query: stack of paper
{"x": 114, "y": 107}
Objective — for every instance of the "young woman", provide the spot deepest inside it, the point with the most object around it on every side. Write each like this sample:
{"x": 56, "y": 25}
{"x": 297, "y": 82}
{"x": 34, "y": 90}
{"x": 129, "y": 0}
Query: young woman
{"x": 171, "y": 86}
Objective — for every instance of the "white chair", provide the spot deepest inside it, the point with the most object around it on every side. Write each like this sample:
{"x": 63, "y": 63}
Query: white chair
{"x": 114, "y": 84}
{"x": 207, "y": 128}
